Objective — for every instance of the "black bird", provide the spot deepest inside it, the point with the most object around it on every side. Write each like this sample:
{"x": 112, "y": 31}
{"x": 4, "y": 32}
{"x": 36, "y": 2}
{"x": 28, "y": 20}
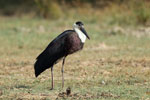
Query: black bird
{"x": 66, "y": 43}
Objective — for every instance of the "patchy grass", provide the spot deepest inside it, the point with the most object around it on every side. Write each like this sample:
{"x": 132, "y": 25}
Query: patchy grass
{"x": 113, "y": 65}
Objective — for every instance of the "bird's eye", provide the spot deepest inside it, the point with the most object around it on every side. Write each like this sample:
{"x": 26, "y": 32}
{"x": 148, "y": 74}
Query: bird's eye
{"x": 80, "y": 24}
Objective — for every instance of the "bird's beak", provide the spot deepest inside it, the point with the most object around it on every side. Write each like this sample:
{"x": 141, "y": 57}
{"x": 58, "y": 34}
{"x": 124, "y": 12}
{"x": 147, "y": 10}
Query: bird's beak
{"x": 83, "y": 30}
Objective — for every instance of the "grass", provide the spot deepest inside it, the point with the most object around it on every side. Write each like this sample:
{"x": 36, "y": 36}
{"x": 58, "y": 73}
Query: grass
{"x": 110, "y": 67}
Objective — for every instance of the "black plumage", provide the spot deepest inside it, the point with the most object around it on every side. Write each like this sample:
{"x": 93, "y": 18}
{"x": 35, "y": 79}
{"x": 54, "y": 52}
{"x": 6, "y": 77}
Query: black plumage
{"x": 66, "y": 43}
{"x": 54, "y": 51}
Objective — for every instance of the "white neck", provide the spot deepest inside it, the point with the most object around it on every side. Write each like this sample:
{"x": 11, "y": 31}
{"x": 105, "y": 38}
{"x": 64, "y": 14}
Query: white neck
{"x": 81, "y": 35}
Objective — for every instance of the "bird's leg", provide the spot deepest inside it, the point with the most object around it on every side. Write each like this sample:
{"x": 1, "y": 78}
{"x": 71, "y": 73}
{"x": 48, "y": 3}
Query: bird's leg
{"x": 62, "y": 70}
{"x": 52, "y": 78}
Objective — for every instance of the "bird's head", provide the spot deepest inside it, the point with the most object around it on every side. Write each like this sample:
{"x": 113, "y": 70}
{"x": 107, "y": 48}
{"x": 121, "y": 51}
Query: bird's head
{"x": 80, "y": 26}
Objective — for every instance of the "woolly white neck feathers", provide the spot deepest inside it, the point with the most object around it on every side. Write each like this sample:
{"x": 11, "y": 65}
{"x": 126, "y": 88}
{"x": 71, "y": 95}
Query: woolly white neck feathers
{"x": 80, "y": 33}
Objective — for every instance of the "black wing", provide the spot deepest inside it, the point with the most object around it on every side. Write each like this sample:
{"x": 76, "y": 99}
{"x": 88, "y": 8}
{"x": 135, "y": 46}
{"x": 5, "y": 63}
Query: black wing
{"x": 54, "y": 51}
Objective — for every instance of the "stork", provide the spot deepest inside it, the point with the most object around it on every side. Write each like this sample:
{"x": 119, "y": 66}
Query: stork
{"x": 68, "y": 42}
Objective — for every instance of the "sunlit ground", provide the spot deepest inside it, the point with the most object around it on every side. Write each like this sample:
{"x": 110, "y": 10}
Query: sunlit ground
{"x": 114, "y": 64}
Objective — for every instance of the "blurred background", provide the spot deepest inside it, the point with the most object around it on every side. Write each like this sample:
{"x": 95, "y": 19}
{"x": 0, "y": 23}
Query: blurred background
{"x": 114, "y": 64}
{"x": 112, "y": 11}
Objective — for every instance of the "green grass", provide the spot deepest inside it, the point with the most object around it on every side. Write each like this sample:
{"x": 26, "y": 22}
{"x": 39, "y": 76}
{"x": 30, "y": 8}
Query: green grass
{"x": 110, "y": 67}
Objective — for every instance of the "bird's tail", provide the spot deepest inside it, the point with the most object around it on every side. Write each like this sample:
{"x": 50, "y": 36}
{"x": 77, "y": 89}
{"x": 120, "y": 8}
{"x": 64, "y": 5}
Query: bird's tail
{"x": 38, "y": 68}
{"x": 41, "y": 65}
{"x": 46, "y": 60}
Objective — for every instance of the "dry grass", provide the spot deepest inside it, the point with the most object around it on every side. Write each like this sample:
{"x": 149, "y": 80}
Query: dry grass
{"x": 111, "y": 66}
